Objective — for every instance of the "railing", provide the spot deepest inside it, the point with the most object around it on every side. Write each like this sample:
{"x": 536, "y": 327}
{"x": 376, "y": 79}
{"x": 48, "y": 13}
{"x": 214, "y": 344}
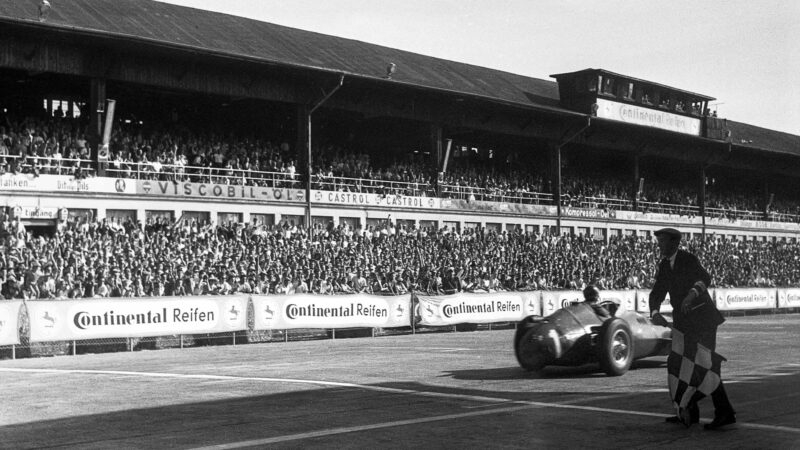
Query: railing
{"x": 365, "y": 185}
{"x": 198, "y": 174}
{"x": 615, "y": 204}
{"x": 668, "y": 208}
{"x": 734, "y": 214}
{"x": 783, "y": 217}
{"x": 47, "y": 166}
{"x": 222, "y": 175}
{"x": 494, "y": 195}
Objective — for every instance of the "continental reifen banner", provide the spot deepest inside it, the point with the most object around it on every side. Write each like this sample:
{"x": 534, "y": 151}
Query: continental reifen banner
{"x": 788, "y": 298}
{"x": 64, "y": 320}
{"x": 477, "y": 308}
{"x": 330, "y": 311}
{"x": 733, "y": 299}
{"x": 555, "y": 300}
{"x": 643, "y": 302}
{"x": 9, "y": 322}
{"x": 626, "y": 299}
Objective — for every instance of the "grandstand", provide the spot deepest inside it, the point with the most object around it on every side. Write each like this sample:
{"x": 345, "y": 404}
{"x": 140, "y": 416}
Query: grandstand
{"x": 151, "y": 150}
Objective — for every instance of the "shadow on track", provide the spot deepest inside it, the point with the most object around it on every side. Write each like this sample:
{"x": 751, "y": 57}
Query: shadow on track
{"x": 567, "y": 372}
{"x": 326, "y": 417}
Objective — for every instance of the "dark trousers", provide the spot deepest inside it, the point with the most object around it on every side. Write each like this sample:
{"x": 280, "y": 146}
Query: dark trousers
{"x": 722, "y": 405}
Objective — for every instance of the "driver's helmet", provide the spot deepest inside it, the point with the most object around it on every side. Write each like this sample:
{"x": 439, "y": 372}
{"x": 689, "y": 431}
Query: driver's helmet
{"x": 591, "y": 293}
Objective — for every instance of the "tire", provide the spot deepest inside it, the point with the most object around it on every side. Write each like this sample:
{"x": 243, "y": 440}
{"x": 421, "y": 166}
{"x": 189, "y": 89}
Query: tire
{"x": 616, "y": 347}
{"x": 522, "y": 327}
{"x": 531, "y": 353}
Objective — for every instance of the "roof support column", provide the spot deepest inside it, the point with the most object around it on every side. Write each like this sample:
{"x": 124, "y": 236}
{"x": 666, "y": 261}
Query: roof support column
{"x": 555, "y": 158}
{"x": 701, "y": 199}
{"x": 304, "y": 153}
{"x": 97, "y": 106}
{"x": 638, "y": 183}
{"x": 435, "y": 147}
{"x": 555, "y": 181}
{"x": 309, "y": 173}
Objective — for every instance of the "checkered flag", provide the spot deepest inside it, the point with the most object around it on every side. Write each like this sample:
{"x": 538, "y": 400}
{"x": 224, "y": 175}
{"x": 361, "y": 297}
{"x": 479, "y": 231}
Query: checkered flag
{"x": 693, "y": 370}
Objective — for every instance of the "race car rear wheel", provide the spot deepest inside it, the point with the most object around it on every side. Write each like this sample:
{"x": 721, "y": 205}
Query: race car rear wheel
{"x": 616, "y": 347}
{"x": 532, "y": 353}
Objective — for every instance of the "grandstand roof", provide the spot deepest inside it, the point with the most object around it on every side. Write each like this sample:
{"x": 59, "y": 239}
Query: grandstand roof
{"x": 232, "y": 36}
{"x": 750, "y": 136}
{"x": 636, "y": 80}
{"x": 228, "y": 35}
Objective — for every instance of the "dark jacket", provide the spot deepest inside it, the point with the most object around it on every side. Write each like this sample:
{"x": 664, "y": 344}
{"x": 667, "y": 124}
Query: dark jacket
{"x": 678, "y": 281}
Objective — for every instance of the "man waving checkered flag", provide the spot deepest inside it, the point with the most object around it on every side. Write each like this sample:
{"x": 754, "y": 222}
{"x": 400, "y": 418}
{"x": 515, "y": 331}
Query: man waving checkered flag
{"x": 693, "y": 372}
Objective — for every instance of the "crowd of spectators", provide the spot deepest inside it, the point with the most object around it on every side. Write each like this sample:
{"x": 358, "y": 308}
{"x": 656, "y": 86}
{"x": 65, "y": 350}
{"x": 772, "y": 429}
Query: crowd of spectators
{"x": 181, "y": 155}
{"x": 112, "y": 259}
{"x": 44, "y": 147}
{"x": 336, "y": 169}
{"x": 59, "y": 146}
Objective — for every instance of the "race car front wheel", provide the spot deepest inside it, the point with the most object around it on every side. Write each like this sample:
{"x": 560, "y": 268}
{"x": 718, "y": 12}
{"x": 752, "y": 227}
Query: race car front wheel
{"x": 616, "y": 349}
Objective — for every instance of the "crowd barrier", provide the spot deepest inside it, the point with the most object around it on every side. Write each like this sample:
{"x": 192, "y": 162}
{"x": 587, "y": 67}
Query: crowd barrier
{"x": 92, "y": 318}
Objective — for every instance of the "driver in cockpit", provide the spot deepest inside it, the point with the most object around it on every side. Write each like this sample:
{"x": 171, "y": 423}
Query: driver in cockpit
{"x": 591, "y": 296}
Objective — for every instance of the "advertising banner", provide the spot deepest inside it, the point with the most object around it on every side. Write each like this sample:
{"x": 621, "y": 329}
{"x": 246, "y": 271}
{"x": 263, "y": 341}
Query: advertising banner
{"x": 367, "y": 199}
{"x": 733, "y": 299}
{"x": 624, "y": 112}
{"x": 555, "y": 300}
{"x": 643, "y": 302}
{"x": 626, "y": 299}
{"x": 64, "y": 183}
{"x": 9, "y": 322}
{"x": 476, "y": 308}
{"x": 66, "y": 320}
{"x": 333, "y": 311}
{"x": 788, "y": 298}
{"x": 592, "y": 213}
{"x": 218, "y": 191}
{"x": 504, "y": 207}
{"x": 758, "y": 224}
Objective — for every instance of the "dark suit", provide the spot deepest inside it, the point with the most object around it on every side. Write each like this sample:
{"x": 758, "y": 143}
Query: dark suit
{"x": 688, "y": 273}
{"x": 700, "y": 325}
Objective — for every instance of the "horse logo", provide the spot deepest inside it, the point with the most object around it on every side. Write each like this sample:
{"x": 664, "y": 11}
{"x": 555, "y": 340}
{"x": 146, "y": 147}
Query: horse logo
{"x": 50, "y": 319}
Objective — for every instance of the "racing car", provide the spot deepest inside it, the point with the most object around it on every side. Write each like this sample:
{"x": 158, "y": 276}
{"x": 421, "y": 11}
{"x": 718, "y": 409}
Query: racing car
{"x": 575, "y": 335}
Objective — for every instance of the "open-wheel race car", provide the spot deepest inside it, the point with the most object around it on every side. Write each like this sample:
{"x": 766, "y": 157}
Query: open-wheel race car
{"x": 575, "y": 335}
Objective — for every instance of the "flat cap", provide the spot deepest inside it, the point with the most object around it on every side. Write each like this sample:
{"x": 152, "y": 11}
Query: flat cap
{"x": 671, "y": 232}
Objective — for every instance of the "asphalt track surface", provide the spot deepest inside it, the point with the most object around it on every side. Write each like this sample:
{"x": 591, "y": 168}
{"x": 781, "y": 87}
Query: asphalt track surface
{"x": 437, "y": 390}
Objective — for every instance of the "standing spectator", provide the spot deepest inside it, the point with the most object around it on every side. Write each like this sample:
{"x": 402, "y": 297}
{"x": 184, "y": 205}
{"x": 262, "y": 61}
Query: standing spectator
{"x": 451, "y": 284}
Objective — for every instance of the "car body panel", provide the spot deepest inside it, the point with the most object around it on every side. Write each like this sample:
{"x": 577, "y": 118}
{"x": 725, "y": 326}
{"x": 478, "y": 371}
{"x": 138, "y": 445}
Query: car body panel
{"x": 570, "y": 335}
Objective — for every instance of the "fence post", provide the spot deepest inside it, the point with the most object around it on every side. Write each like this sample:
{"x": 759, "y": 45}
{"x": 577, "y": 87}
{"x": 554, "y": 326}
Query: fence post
{"x": 13, "y": 352}
{"x": 234, "y": 338}
{"x": 285, "y": 335}
{"x": 130, "y": 344}
{"x": 181, "y": 337}
{"x": 74, "y": 348}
